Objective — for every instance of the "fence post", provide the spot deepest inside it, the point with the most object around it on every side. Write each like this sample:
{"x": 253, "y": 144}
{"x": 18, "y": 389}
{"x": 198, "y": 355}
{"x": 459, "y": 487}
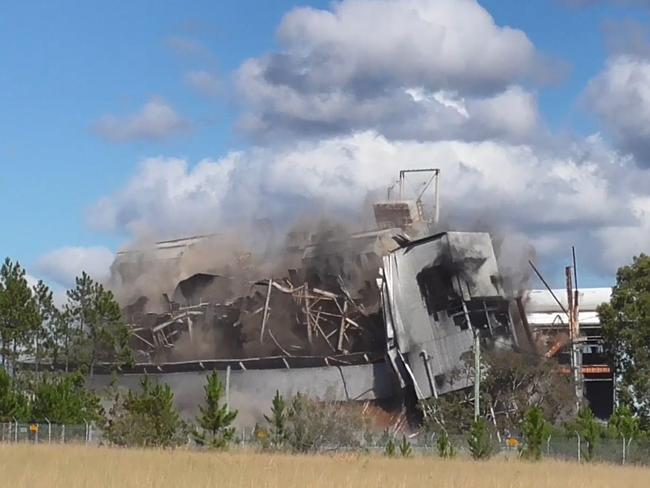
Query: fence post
{"x": 49, "y": 430}
{"x": 16, "y": 429}
{"x": 579, "y": 446}
{"x": 63, "y": 433}
{"x": 548, "y": 446}
{"x": 623, "y": 449}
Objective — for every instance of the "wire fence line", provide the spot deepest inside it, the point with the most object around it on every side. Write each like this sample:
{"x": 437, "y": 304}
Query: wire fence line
{"x": 49, "y": 433}
{"x": 556, "y": 447}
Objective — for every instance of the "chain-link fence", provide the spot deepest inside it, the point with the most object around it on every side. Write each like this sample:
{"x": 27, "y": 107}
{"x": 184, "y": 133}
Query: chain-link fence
{"x": 47, "y": 432}
{"x": 556, "y": 447}
{"x": 569, "y": 448}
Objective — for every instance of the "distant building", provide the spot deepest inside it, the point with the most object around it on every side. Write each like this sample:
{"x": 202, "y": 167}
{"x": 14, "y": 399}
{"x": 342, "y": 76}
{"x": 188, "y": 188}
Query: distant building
{"x": 549, "y": 326}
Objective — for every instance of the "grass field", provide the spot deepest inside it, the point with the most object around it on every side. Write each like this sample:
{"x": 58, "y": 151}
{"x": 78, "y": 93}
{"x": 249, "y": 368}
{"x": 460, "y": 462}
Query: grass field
{"x": 25, "y": 466}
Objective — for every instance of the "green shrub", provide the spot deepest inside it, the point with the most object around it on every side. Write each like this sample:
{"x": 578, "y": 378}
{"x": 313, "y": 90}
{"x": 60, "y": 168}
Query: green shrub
{"x": 479, "y": 440}
{"x": 405, "y": 448}
{"x": 146, "y": 419}
{"x": 536, "y": 430}
{"x": 444, "y": 445}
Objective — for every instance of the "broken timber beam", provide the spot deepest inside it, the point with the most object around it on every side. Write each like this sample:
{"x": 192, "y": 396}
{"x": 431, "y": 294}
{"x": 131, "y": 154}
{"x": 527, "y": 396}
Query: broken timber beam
{"x": 266, "y": 309}
{"x": 342, "y": 327}
{"x": 307, "y": 312}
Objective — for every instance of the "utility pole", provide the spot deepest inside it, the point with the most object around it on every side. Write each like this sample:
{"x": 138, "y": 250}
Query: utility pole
{"x": 574, "y": 333}
{"x": 477, "y": 362}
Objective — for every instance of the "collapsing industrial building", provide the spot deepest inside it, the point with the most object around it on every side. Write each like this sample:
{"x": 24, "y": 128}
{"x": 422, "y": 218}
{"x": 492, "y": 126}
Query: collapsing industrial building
{"x": 385, "y": 314}
{"x": 381, "y": 314}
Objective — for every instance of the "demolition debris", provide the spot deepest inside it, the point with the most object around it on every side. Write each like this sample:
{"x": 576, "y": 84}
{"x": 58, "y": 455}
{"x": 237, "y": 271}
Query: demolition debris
{"x": 398, "y": 297}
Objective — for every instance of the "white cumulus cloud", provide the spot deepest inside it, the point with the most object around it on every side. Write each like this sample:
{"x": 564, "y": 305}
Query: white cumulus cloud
{"x": 572, "y": 196}
{"x": 357, "y": 66}
{"x": 156, "y": 120}
{"x": 62, "y": 265}
{"x": 620, "y": 96}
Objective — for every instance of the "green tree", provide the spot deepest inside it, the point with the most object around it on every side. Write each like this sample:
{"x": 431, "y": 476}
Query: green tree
{"x": 515, "y": 382}
{"x": 99, "y": 334}
{"x": 405, "y": 448}
{"x": 391, "y": 447}
{"x": 444, "y": 445}
{"x": 64, "y": 399}
{"x": 18, "y": 313}
{"x": 626, "y": 329}
{"x": 278, "y": 421}
{"x": 536, "y": 430}
{"x": 147, "y": 418}
{"x": 451, "y": 412}
{"x": 61, "y": 346}
{"x": 47, "y": 313}
{"x": 479, "y": 441}
{"x": 13, "y": 403}
{"x": 625, "y": 425}
{"x": 589, "y": 429}
{"x": 216, "y": 418}
{"x": 511, "y": 384}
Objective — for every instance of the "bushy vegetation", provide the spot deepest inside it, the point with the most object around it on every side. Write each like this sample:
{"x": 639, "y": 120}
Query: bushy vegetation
{"x": 60, "y": 399}
{"x": 147, "y": 418}
{"x": 306, "y": 425}
{"x": 589, "y": 429}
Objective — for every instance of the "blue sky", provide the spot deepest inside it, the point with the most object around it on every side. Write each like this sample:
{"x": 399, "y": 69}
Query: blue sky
{"x": 66, "y": 65}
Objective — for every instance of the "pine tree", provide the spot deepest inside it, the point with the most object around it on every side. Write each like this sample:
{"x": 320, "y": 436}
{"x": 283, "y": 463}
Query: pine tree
{"x": 536, "y": 430}
{"x": 61, "y": 348}
{"x": 47, "y": 311}
{"x": 99, "y": 332}
{"x": 216, "y": 419}
{"x": 18, "y": 313}
{"x": 278, "y": 421}
{"x": 480, "y": 444}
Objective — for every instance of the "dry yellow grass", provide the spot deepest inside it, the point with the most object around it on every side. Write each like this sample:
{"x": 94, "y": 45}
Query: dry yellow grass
{"x": 25, "y": 466}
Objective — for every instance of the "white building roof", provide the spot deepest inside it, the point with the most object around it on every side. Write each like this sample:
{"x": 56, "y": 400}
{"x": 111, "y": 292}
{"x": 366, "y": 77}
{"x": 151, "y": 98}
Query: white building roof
{"x": 588, "y": 300}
